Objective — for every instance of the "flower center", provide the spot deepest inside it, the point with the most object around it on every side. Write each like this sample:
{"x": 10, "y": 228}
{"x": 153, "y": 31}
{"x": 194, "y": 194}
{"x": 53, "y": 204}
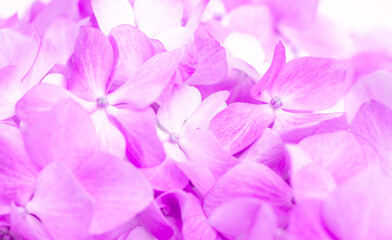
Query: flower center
{"x": 276, "y": 102}
{"x": 102, "y": 102}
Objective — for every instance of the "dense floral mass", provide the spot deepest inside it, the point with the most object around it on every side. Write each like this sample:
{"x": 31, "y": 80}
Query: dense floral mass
{"x": 193, "y": 119}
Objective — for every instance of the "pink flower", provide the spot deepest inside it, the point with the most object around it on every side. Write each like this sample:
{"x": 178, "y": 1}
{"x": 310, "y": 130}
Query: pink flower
{"x": 94, "y": 192}
{"x": 117, "y": 113}
{"x": 292, "y": 91}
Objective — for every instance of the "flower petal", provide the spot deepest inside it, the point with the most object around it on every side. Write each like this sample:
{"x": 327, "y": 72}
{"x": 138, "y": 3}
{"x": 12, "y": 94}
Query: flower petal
{"x": 237, "y": 217}
{"x": 132, "y": 48}
{"x": 91, "y": 64}
{"x": 312, "y": 182}
{"x": 372, "y": 127}
{"x": 166, "y": 176}
{"x": 40, "y": 100}
{"x": 110, "y": 139}
{"x": 202, "y": 147}
{"x": 66, "y": 133}
{"x": 175, "y": 38}
{"x": 17, "y": 50}
{"x": 144, "y": 149}
{"x": 149, "y": 82}
{"x": 175, "y": 111}
{"x": 306, "y": 222}
{"x": 363, "y": 206}
{"x": 63, "y": 33}
{"x": 17, "y": 173}
{"x": 120, "y": 191}
{"x": 261, "y": 90}
{"x": 249, "y": 180}
{"x": 152, "y": 217}
{"x": 10, "y": 90}
{"x": 44, "y": 61}
{"x": 155, "y": 16}
{"x": 202, "y": 116}
{"x": 345, "y": 161}
{"x": 376, "y": 86}
{"x": 240, "y": 124}
{"x": 64, "y": 207}
{"x": 204, "y": 62}
{"x": 110, "y": 14}
{"x": 310, "y": 84}
{"x": 268, "y": 149}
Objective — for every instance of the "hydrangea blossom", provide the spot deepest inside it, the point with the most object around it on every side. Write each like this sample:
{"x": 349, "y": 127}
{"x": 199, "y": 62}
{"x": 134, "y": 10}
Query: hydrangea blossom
{"x": 193, "y": 119}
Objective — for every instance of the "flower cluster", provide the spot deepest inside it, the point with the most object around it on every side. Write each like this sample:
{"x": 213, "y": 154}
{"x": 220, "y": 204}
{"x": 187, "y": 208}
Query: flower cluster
{"x": 193, "y": 119}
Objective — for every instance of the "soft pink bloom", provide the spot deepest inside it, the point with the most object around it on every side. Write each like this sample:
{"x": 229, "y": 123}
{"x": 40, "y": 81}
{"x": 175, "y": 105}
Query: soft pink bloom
{"x": 25, "y": 60}
{"x": 113, "y": 112}
{"x": 94, "y": 192}
{"x": 293, "y": 91}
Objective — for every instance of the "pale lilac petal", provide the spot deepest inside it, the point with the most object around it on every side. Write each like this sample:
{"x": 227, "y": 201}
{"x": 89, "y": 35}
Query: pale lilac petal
{"x": 287, "y": 122}
{"x": 17, "y": 49}
{"x": 312, "y": 181}
{"x": 193, "y": 12}
{"x": 199, "y": 174}
{"x": 61, "y": 203}
{"x": 144, "y": 149}
{"x": 120, "y": 191}
{"x": 10, "y": 91}
{"x": 345, "y": 161}
{"x": 110, "y": 14}
{"x": 110, "y": 139}
{"x": 17, "y": 173}
{"x": 204, "y": 62}
{"x": 201, "y": 118}
{"x": 249, "y": 180}
{"x": 372, "y": 127}
{"x": 360, "y": 208}
{"x": 294, "y": 13}
{"x": 268, "y": 149}
{"x": 175, "y": 111}
{"x": 297, "y": 158}
{"x": 40, "y": 100}
{"x": 166, "y": 176}
{"x": 377, "y": 86}
{"x": 57, "y": 79}
{"x": 66, "y": 133}
{"x": 25, "y": 225}
{"x": 154, "y": 220}
{"x": 306, "y": 223}
{"x": 185, "y": 213}
{"x": 149, "y": 82}
{"x": 63, "y": 33}
{"x": 292, "y": 127}
{"x": 53, "y": 11}
{"x": 156, "y": 16}
{"x": 132, "y": 48}
{"x": 237, "y": 82}
{"x": 236, "y": 218}
{"x": 91, "y": 64}
{"x": 46, "y": 58}
{"x": 310, "y": 84}
{"x": 251, "y": 19}
{"x": 202, "y": 147}
{"x": 240, "y": 124}
{"x": 261, "y": 90}
{"x": 316, "y": 40}
{"x": 175, "y": 38}
{"x": 195, "y": 225}
{"x": 265, "y": 225}
{"x": 139, "y": 233}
